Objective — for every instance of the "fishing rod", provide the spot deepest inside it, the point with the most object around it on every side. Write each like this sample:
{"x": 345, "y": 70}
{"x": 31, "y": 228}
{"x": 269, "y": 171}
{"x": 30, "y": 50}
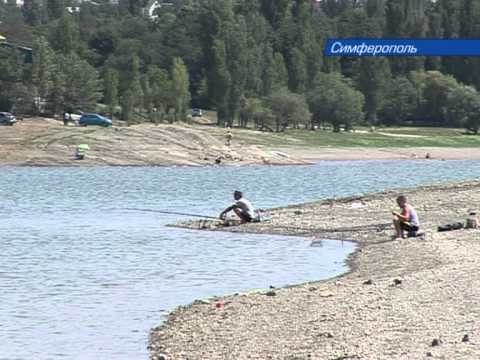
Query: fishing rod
{"x": 172, "y": 213}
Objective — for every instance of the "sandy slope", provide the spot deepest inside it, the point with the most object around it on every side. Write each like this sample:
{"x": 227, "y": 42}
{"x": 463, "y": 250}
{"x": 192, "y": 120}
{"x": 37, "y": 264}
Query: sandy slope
{"x": 48, "y": 142}
{"x": 338, "y": 153}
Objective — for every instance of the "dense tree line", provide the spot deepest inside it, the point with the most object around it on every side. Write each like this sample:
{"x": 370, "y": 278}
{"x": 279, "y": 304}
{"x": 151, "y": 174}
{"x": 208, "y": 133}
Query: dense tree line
{"x": 256, "y": 62}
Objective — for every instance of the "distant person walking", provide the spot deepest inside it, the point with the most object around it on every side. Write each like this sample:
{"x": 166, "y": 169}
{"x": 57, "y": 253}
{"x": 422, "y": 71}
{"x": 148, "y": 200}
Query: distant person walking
{"x": 66, "y": 118}
{"x": 242, "y": 208}
{"x": 406, "y": 220}
{"x": 229, "y": 137}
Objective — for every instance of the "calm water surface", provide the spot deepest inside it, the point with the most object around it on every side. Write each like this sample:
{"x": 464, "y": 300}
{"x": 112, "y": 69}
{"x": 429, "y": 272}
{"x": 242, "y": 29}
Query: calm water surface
{"x": 81, "y": 278}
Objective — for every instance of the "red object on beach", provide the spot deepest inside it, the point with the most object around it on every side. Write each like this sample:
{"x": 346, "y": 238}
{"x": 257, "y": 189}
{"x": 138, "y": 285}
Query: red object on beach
{"x": 219, "y": 305}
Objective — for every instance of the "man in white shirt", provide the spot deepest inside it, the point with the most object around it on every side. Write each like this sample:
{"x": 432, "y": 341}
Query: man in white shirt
{"x": 242, "y": 207}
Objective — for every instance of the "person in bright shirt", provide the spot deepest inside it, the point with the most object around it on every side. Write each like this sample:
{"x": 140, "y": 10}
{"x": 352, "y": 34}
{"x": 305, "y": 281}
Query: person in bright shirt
{"x": 242, "y": 208}
{"x": 406, "y": 220}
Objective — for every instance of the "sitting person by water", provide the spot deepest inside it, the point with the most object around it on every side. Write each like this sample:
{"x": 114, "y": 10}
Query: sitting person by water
{"x": 242, "y": 208}
{"x": 407, "y": 220}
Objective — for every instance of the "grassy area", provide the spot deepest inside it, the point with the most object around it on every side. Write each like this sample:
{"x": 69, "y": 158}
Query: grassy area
{"x": 383, "y": 137}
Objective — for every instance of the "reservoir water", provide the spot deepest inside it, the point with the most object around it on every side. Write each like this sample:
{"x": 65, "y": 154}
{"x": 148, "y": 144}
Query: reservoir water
{"x": 82, "y": 278}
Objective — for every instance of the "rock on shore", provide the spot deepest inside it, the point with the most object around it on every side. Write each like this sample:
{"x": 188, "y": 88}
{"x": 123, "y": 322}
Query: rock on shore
{"x": 406, "y": 299}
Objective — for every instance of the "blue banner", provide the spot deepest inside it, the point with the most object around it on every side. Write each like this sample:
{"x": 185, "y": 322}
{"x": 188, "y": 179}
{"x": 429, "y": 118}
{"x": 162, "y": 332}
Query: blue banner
{"x": 402, "y": 47}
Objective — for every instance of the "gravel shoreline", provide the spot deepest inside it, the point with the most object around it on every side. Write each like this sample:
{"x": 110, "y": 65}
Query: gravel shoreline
{"x": 407, "y": 299}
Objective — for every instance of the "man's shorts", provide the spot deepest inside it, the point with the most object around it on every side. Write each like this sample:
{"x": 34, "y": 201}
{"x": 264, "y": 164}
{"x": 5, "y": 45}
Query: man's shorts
{"x": 409, "y": 228}
{"x": 247, "y": 217}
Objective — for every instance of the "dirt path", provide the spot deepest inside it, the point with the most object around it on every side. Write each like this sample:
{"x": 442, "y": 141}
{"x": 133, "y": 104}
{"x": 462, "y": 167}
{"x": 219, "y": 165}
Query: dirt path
{"x": 407, "y": 299}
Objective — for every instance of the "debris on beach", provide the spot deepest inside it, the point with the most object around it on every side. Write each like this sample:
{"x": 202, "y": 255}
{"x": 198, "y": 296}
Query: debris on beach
{"x": 397, "y": 282}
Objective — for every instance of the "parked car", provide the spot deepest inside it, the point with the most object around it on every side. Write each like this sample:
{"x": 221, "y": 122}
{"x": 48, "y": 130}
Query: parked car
{"x": 7, "y": 119}
{"x": 94, "y": 119}
{"x": 197, "y": 112}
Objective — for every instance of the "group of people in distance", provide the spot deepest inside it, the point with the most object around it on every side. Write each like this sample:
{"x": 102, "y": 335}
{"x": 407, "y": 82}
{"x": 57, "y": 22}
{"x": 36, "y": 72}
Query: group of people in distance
{"x": 406, "y": 221}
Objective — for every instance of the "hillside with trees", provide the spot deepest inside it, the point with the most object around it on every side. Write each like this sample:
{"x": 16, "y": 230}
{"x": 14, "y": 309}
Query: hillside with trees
{"x": 257, "y": 63}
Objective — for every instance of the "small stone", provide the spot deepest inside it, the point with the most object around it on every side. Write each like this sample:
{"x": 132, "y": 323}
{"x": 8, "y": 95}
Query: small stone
{"x": 298, "y": 212}
{"x": 436, "y": 342}
{"x": 326, "y": 293}
{"x": 397, "y": 282}
{"x": 312, "y": 288}
{"x": 368, "y": 282}
{"x": 465, "y": 338}
{"x": 429, "y": 354}
{"x": 327, "y": 335}
{"x": 271, "y": 293}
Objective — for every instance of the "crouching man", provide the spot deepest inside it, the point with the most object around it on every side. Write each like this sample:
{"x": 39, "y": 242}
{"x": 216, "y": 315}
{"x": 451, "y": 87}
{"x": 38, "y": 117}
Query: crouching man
{"x": 406, "y": 220}
{"x": 242, "y": 208}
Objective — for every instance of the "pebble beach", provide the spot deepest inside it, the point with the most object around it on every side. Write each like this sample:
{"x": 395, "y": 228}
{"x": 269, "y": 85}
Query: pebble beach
{"x": 403, "y": 299}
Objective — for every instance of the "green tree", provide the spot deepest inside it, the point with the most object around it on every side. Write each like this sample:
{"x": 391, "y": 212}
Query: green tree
{"x": 110, "y": 86}
{"x": 134, "y": 83}
{"x": 464, "y": 108}
{"x": 250, "y": 107}
{"x": 43, "y": 68}
{"x": 104, "y": 43}
{"x": 56, "y": 97}
{"x": 11, "y": 74}
{"x": 180, "y": 83}
{"x": 466, "y": 69}
{"x": 406, "y": 19}
{"x": 268, "y": 71}
{"x": 55, "y": 8}
{"x": 147, "y": 96}
{"x": 435, "y": 31}
{"x": 400, "y": 101}
{"x": 275, "y": 11}
{"x": 334, "y": 100}
{"x": 220, "y": 81}
{"x": 433, "y": 89}
{"x": 236, "y": 62}
{"x": 280, "y": 72}
{"x": 161, "y": 85}
{"x": 297, "y": 71}
{"x": 216, "y": 18}
{"x": 289, "y": 109}
{"x": 127, "y": 106}
{"x": 371, "y": 79}
{"x": 65, "y": 35}
{"x": 82, "y": 90}
{"x": 32, "y": 12}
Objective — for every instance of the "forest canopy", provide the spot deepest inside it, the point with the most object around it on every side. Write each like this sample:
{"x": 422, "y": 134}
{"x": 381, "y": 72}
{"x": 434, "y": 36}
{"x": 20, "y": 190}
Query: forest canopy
{"x": 252, "y": 61}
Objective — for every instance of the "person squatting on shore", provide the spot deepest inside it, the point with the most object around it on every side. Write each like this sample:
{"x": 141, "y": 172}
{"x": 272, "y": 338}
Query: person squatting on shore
{"x": 406, "y": 220}
{"x": 242, "y": 208}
